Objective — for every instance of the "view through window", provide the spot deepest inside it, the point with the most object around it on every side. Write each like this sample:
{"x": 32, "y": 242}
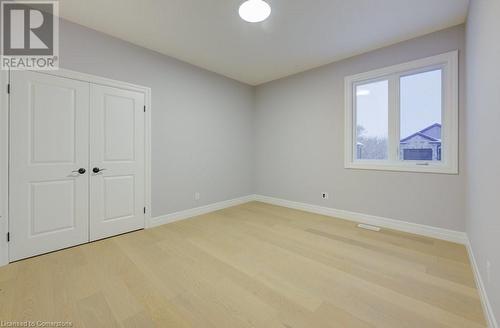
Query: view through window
{"x": 404, "y": 117}
{"x": 372, "y": 107}
{"x": 420, "y": 118}
{"x": 421, "y": 111}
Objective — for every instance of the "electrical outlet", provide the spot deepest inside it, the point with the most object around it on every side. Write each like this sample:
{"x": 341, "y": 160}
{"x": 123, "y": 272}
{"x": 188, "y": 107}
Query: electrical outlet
{"x": 488, "y": 271}
{"x": 197, "y": 196}
{"x": 324, "y": 195}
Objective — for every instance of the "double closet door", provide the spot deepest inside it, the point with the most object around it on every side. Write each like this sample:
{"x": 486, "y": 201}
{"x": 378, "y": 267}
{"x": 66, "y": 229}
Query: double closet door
{"x": 76, "y": 162}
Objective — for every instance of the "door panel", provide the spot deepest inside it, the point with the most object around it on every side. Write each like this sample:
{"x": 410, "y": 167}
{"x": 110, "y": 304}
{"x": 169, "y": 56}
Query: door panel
{"x": 119, "y": 197}
{"x": 117, "y": 139}
{"x": 53, "y": 206}
{"x": 119, "y": 128}
{"x": 52, "y": 119}
{"x": 49, "y": 133}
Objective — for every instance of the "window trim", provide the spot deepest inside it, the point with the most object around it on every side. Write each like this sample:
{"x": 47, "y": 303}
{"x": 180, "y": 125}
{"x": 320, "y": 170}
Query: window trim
{"x": 448, "y": 62}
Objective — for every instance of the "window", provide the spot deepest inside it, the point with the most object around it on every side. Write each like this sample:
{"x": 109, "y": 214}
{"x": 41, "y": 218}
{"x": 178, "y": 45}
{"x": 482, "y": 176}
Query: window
{"x": 404, "y": 117}
{"x": 372, "y": 130}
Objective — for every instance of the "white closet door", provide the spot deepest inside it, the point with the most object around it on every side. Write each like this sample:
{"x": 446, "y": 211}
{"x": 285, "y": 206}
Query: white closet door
{"x": 117, "y": 161}
{"x": 49, "y": 133}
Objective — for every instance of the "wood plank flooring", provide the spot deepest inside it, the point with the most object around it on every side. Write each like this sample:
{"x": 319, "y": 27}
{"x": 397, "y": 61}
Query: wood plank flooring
{"x": 253, "y": 265}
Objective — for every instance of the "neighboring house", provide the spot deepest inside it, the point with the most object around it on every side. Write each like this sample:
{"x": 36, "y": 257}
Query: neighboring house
{"x": 424, "y": 145}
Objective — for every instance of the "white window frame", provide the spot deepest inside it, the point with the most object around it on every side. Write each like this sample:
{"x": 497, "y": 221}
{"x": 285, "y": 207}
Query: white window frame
{"x": 448, "y": 63}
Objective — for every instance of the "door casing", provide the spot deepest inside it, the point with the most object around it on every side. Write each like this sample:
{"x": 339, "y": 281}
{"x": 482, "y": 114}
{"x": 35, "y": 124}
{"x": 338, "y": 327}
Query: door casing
{"x": 5, "y": 143}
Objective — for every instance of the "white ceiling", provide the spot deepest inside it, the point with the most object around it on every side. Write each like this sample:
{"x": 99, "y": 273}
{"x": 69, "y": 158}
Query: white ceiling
{"x": 299, "y": 35}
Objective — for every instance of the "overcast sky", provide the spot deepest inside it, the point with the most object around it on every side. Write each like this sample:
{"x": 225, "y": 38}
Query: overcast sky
{"x": 420, "y": 104}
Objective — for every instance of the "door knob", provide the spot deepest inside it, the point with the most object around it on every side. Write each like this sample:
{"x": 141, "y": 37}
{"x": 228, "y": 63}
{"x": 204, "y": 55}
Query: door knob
{"x": 97, "y": 170}
{"x": 80, "y": 171}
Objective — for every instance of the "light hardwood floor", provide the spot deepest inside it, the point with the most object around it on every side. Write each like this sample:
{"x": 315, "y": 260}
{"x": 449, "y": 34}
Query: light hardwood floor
{"x": 253, "y": 265}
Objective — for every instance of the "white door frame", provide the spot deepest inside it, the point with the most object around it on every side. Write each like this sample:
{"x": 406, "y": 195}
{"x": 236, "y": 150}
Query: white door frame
{"x": 4, "y": 145}
{"x": 4, "y": 167}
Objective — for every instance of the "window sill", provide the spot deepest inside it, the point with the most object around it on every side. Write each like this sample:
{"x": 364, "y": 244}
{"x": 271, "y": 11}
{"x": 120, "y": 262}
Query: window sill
{"x": 398, "y": 167}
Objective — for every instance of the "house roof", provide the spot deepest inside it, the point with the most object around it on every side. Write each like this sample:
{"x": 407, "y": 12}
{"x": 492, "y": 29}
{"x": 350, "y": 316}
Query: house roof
{"x": 422, "y": 133}
{"x": 430, "y": 127}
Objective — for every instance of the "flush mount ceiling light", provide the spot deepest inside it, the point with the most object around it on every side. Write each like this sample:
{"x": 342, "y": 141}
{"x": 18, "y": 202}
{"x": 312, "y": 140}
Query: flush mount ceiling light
{"x": 254, "y": 11}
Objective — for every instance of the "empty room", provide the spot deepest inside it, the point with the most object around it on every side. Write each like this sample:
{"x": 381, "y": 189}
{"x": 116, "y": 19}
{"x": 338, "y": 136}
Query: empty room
{"x": 250, "y": 163}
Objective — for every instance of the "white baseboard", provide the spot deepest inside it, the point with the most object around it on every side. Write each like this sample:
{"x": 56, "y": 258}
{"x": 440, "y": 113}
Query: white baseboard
{"x": 186, "y": 214}
{"x": 419, "y": 229}
{"x": 487, "y": 308}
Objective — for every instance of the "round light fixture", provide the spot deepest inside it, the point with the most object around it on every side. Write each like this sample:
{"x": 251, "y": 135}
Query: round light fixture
{"x": 254, "y": 11}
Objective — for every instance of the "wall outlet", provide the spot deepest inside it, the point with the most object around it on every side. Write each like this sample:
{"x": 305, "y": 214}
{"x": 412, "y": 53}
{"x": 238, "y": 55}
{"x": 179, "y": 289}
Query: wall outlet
{"x": 324, "y": 195}
{"x": 197, "y": 196}
{"x": 488, "y": 271}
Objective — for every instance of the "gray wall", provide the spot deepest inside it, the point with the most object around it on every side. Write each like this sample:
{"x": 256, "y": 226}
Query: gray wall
{"x": 202, "y": 123}
{"x": 483, "y": 140}
{"x": 204, "y": 127}
{"x": 300, "y": 143}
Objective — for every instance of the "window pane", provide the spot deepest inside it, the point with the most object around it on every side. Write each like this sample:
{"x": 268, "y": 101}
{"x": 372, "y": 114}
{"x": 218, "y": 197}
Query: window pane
{"x": 421, "y": 107}
{"x": 372, "y": 108}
